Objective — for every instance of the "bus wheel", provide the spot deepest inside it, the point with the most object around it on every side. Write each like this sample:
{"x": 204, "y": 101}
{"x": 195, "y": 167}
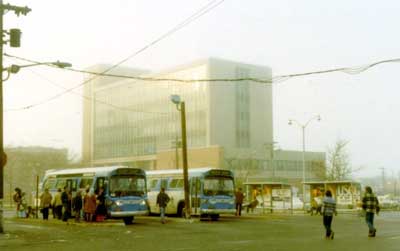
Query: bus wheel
{"x": 214, "y": 217}
{"x": 128, "y": 220}
{"x": 181, "y": 212}
{"x": 204, "y": 217}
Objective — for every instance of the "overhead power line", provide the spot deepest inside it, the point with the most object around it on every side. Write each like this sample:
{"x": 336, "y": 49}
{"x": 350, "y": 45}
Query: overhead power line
{"x": 274, "y": 79}
{"x": 92, "y": 99}
{"x": 202, "y": 11}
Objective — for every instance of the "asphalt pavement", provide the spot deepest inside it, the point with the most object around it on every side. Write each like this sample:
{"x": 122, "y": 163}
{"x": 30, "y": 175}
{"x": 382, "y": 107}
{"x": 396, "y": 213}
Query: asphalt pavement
{"x": 250, "y": 232}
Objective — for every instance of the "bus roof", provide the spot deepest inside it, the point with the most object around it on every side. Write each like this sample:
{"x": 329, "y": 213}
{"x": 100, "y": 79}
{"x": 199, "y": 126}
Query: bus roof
{"x": 191, "y": 172}
{"x": 97, "y": 170}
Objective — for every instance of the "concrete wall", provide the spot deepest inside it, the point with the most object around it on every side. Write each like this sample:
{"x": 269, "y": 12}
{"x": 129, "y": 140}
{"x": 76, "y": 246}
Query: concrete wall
{"x": 197, "y": 157}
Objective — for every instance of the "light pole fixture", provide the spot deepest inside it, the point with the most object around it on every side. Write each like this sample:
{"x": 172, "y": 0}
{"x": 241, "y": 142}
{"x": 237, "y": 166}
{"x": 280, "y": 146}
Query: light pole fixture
{"x": 13, "y": 69}
{"x": 180, "y": 105}
{"x": 303, "y": 128}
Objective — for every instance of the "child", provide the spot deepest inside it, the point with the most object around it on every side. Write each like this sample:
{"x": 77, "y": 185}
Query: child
{"x": 329, "y": 208}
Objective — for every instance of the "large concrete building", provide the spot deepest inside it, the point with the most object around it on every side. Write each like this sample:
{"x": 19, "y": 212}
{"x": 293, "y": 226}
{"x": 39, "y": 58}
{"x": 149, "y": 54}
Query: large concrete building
{"x": 134, "y": 122}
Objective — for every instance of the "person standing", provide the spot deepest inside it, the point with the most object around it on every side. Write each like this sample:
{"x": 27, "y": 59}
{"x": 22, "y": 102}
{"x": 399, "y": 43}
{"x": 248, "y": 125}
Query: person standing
{"x": 370, "y": 205}
{"x": 328, "y": 209}
{"x": 57, "y": 204}
{"x": 17, "y": 197}
{"x": 162, "y": 201}
{"x": 101, "y": 209}
{"x": 45, "y": 203}
{"x": 239, "y": 196}
{"x": 89, "y": 205}
{"x": 66, "y": 204}
{"x": 77, "y": 205}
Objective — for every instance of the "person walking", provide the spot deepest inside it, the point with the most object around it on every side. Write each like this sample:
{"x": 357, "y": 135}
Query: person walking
{"x": 45, "y": 203}
{"x": 239, "y": 196}
{"x": 89, "y": 205}
{"x": 77, "y": 205}
{"x": 370, "y": 205}
{"x": 328, "y": 209}
{"x": 162, "y": 201}
{"x": 57, "y": 204}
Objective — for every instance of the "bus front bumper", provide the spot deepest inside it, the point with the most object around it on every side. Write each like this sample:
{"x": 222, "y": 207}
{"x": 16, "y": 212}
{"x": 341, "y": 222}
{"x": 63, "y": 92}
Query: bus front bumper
{"x": 121, "y": 214}
{"x": 218, "y": 211}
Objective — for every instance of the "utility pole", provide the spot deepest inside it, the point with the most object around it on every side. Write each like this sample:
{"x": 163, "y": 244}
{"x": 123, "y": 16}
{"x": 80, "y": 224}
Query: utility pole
{"x": 14, "y": 42}
{"x": 185, "y": 161}
{"x": 180, "y": 105}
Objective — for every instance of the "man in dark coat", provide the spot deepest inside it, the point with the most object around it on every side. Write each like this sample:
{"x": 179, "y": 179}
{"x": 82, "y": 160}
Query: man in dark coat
{"x": 77, "y": 204}
{"x": 162, "y": 201}
{"x": 370, "y": 204}
{"x": 239, "y": 196}
{"x": 66, "y": 204}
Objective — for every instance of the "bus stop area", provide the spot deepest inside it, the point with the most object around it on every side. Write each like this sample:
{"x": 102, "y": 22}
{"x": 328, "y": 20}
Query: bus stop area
{"x": 347, "y": 193}
{"x": 268, "y": 196}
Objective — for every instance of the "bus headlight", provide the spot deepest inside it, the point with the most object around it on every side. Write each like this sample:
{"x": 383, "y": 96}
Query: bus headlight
{"x": 118, "y": 203}
{"x": 143, "y": 203}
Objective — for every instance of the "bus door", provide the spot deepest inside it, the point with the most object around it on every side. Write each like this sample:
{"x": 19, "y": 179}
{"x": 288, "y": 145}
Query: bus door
{"x": 195, "y": 194}
{"x": 100, "y": 183}
{"x": 72, "y": 185}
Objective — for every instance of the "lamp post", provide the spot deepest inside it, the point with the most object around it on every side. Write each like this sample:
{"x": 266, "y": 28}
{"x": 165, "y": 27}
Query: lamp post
{"x": 303, "y": 128}
{"x": 13, "y": 69}
{"x": 180, "y": 105}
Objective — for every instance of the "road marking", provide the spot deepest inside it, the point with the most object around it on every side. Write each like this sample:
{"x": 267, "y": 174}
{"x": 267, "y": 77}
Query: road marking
{"x": 394, "y": 237}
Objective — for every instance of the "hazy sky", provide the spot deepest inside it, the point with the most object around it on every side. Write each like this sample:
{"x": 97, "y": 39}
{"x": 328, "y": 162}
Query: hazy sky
{"x": 289, "y": 36}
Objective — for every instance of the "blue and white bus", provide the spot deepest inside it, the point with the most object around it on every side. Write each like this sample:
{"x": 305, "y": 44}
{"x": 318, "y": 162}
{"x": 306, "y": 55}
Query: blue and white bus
{"x": 124, "y": 187}
{"x": 211, "y": 191}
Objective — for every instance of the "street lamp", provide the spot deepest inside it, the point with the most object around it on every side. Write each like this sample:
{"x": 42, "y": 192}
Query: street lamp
{"x": 180, "y": 105}
{"x": 303, "y": 127}
{"x": 13, "y": 69}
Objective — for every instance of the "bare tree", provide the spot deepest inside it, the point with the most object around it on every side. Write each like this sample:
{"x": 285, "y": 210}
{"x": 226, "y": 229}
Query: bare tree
{"x": 243, "y": 168}
{"x": 338, "y": 161}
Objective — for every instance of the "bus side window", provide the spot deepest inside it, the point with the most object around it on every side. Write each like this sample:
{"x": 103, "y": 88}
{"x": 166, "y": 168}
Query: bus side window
{"x": 153, "y": 185}
{"x": 164, "y": 183}
{"x": 61, "y": 183}
{"x": 85, "y": 183}
{"x": 50, "y": 183}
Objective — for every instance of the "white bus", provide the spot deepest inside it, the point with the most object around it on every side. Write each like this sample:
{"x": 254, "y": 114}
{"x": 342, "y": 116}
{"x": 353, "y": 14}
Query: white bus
{"x": 124, "y": 187}
{"x": 211, "y": 191}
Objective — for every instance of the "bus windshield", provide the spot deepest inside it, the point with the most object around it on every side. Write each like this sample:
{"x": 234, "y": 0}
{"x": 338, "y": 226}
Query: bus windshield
{"x": 127, "y": 186}
{"x": 218, "y": 186}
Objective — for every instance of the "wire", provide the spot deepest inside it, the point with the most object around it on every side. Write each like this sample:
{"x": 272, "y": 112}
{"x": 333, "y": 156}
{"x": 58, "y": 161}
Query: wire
{"x": 89, "y": 98}
{"x": 202, "y": 11}
{"x": 275, "y": 79}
